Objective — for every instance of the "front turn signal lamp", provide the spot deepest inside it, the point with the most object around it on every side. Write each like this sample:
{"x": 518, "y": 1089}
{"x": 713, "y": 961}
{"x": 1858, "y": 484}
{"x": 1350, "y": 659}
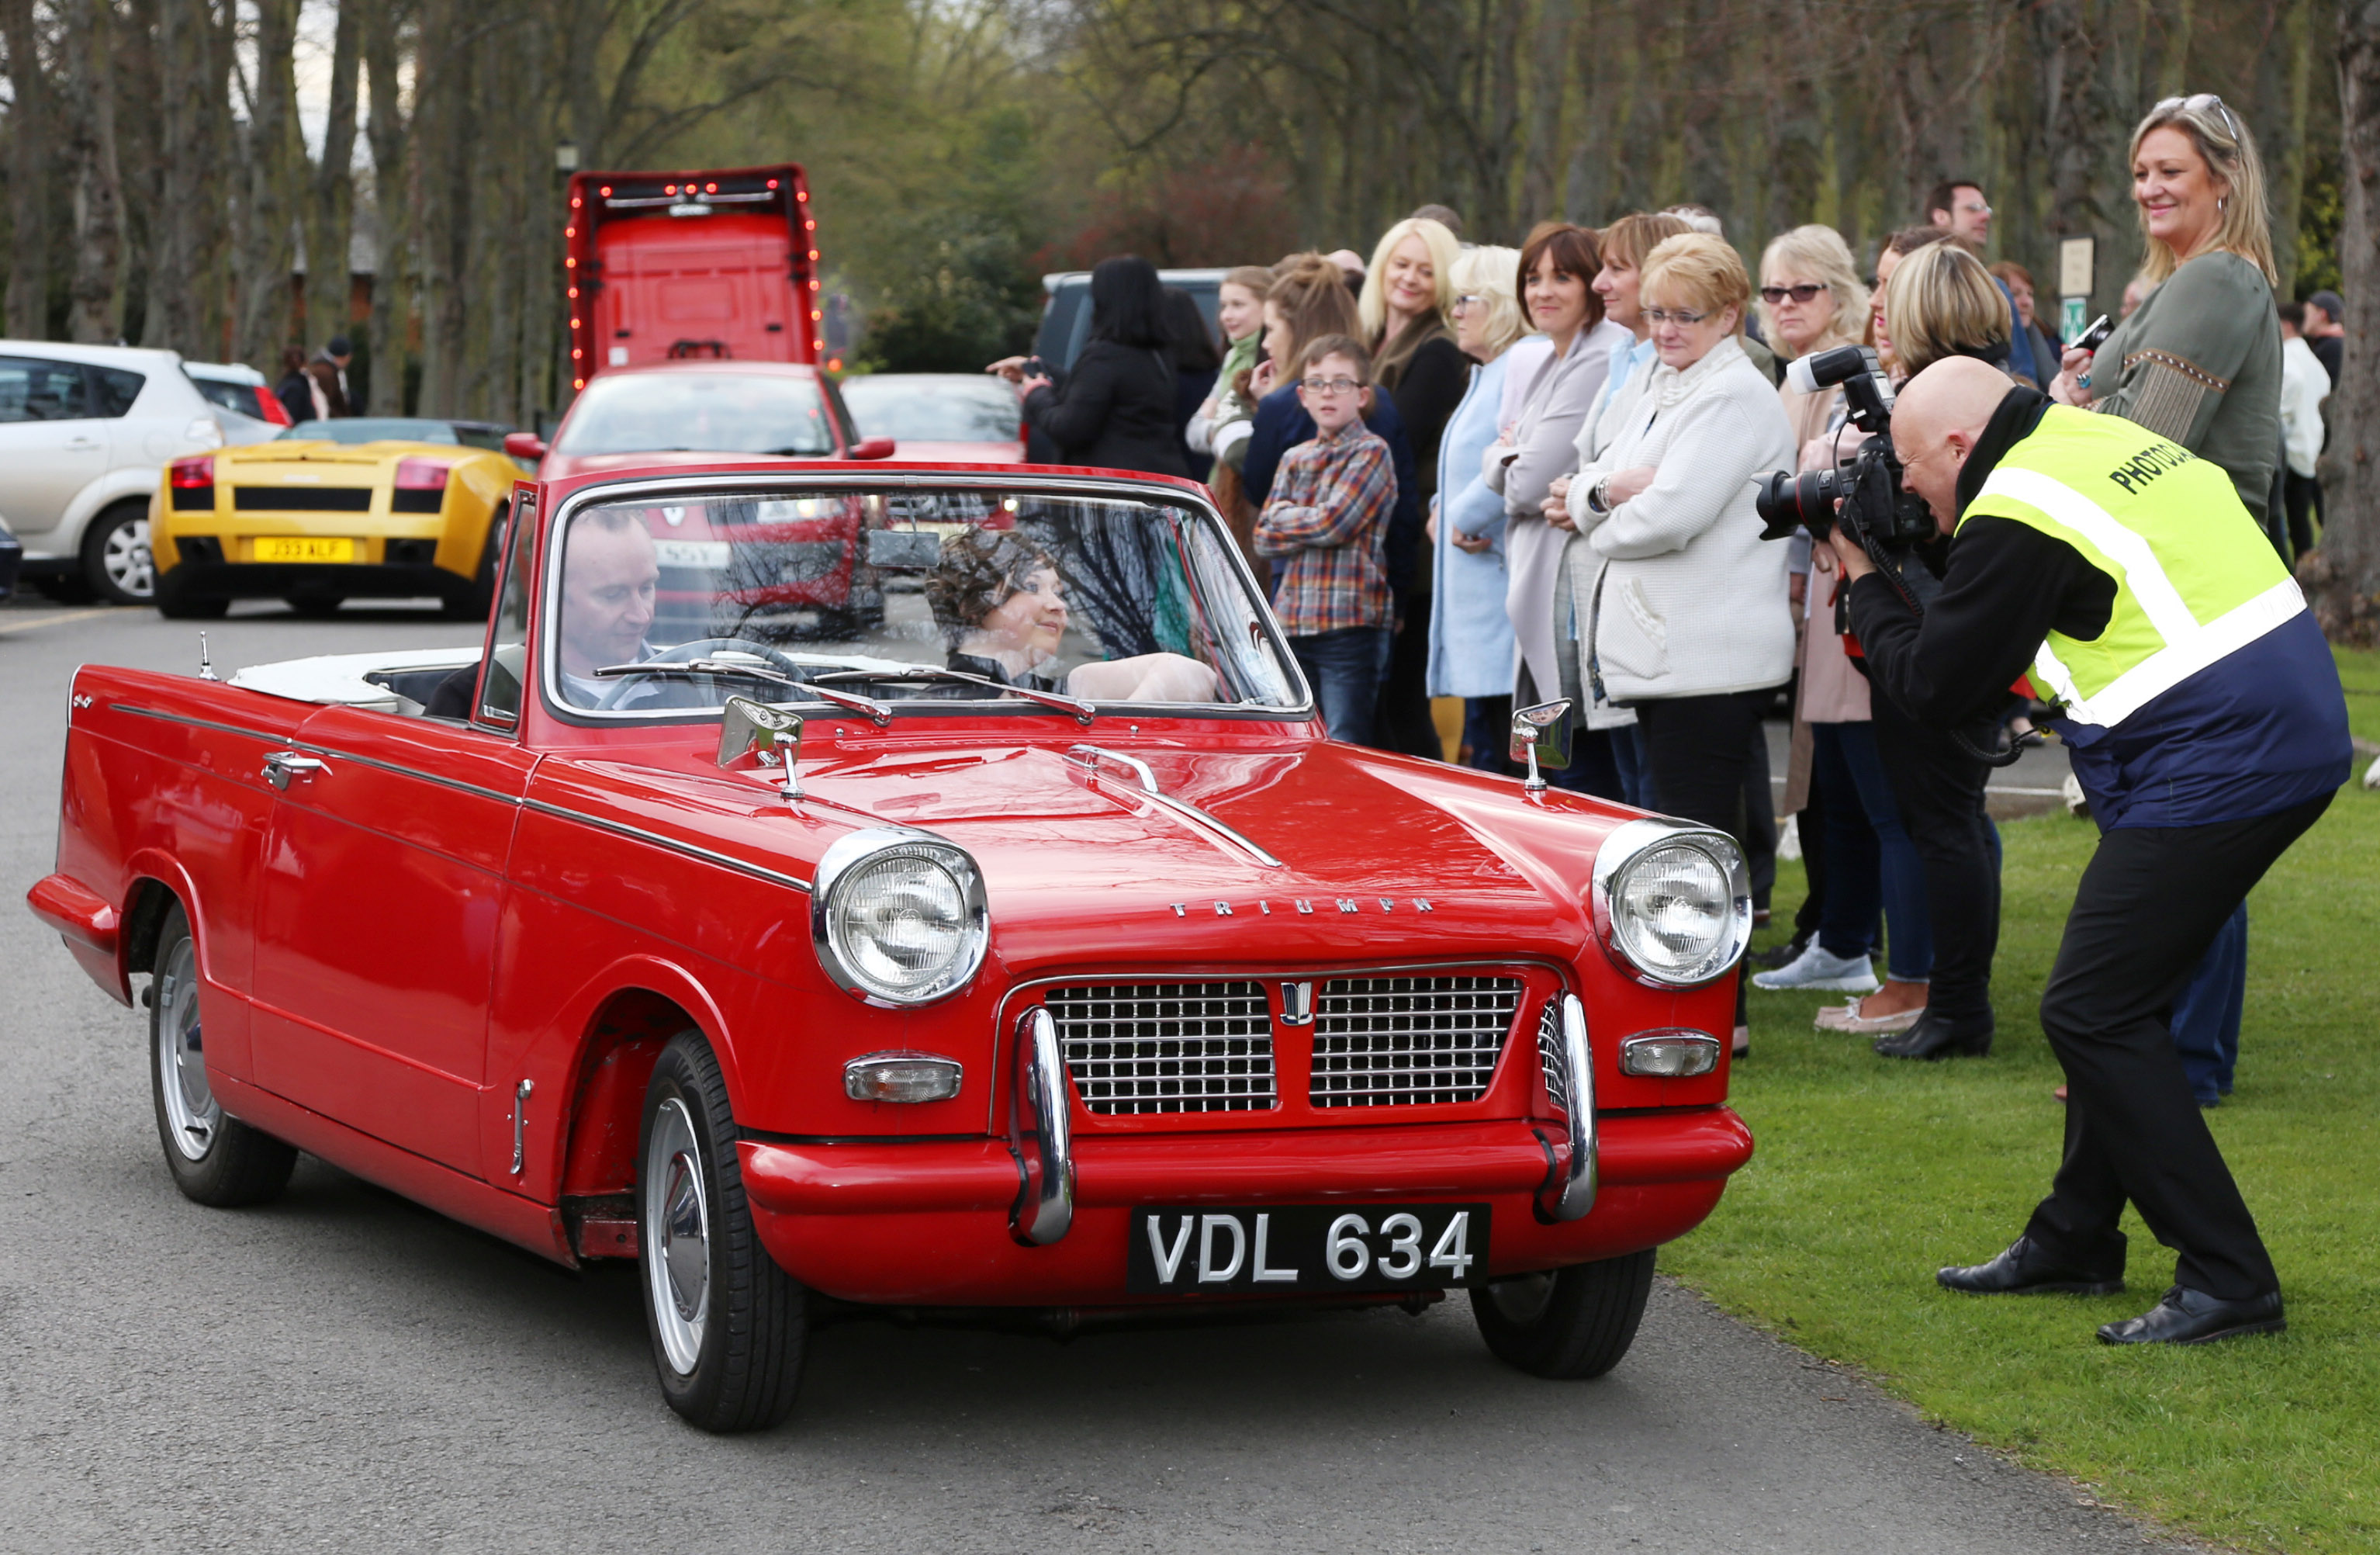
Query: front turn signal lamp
{"x": 902, "y": 1077}
{"x": 1669, "y": 1055}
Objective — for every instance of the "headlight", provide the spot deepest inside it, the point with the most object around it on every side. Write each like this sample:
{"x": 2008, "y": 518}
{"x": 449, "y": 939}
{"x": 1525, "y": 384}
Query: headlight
{"x": 1672, "y": 903}
{"x": 898, "y": 918}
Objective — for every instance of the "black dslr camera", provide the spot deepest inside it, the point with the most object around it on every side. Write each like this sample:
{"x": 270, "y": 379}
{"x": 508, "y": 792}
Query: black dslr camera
{"x": 1884, "y": 517}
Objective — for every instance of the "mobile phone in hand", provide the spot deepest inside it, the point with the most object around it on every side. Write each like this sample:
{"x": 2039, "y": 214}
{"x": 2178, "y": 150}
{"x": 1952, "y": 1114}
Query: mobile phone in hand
{"x": 2095, "y": 336}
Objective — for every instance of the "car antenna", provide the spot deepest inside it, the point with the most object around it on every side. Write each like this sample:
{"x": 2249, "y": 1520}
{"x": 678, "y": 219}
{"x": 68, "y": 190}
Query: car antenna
{"x": 206, "y": 665}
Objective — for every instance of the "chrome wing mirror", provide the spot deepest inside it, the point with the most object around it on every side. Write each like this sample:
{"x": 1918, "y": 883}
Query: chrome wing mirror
{"x": 1541, "y": 738}
{"x": 770, "y": 735}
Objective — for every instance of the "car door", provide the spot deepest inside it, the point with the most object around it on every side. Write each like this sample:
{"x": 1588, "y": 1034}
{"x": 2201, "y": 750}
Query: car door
{"x": 377, "y": 922}
{"x": 53, "y": 444}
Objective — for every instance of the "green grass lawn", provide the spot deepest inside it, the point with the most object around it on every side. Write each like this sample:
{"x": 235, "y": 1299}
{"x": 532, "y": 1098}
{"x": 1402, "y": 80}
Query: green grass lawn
{"x": 1871, "y": 1173}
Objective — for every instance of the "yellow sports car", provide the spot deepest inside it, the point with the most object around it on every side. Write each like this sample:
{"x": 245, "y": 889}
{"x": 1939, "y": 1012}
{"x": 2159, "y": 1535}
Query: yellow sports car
{"x": 367, "y": 507}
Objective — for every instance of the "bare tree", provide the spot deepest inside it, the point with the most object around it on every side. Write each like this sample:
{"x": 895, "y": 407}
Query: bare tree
{"x": 29, "y": 133}
{"x": 2345, "y": 572}
{"x": 184, "y": 224}
{"x": 331, "y": 193}
{"x": 391, "y": 303}
{"x": 87, "y": 61}
{"x": 269, "y": 149}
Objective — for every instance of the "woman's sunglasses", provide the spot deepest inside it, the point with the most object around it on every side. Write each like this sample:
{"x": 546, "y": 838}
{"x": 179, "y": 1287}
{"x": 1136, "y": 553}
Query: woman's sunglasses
{"x": 1805, "y": 293}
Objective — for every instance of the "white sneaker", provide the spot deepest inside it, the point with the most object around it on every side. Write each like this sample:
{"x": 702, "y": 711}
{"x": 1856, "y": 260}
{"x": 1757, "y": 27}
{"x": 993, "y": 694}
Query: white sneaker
{"x": 1815, "y": 968}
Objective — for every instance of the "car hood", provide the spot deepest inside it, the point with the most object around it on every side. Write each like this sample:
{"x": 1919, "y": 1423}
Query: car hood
{"x": 1372, "y": 855}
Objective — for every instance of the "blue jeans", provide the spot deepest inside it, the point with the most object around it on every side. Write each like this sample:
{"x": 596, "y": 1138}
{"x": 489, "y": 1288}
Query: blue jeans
{"x": 1870, "y": 859}
{"x": 2206, "y": 1016}
{"x": 1636, "y": 767}
{"x": 1345, "y": 668}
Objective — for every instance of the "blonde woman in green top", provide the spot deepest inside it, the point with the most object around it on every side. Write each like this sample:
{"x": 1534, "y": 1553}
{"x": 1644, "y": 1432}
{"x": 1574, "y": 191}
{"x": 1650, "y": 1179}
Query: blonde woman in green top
{"x": 2200, "y": 361}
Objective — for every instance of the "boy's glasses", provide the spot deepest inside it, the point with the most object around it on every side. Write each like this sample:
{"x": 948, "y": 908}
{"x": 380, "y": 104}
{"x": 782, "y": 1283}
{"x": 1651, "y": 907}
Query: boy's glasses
{"x": 1329, "y": 386}
{"x": 1674, "y": 316}
{"x": 1805, "y": 292}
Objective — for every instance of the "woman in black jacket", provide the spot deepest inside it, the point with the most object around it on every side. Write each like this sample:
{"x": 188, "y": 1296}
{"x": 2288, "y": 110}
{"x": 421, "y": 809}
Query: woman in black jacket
{"x": 1114, "y": 409}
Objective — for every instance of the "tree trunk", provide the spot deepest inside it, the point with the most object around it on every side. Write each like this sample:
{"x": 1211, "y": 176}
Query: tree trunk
{"x": 29, "y": 136}
{"x": 86, "y": 53}
{"x": 264, "y": 248}
{"x": 391, "y": 301}
{"x": 331, "y": 203}
{"x": 181, "y": 225}
{"x": 1549, "y": 84}
{"x": 2345, "y": 573}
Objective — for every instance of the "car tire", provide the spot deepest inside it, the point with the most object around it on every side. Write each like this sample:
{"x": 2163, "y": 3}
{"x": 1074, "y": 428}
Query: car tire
{"x": 116, "y": 561}
{"x": 729, "y": 1327}
{"x": 1566, "y": 1323}
{"x": 175, "y": 602}
{"x": 216, "y": 1159}
{"x": 317, "y": 607}
{"x": 473, "y": 601}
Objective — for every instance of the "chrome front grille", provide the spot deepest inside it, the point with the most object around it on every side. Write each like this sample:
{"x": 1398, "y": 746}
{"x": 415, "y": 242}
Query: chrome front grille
{"x": 1550, "y": 1058}
{"x": 1167, "y": 1047}
{"x": 1409, "y": 1041}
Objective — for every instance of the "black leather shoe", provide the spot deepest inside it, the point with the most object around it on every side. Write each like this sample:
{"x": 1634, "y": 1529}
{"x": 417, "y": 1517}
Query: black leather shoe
{"x": 2187, "y": 1317}
{"x": 1780, "y": 955}
{"x": 2023, "y": 1271}
{"x": 1933, "y": 1038}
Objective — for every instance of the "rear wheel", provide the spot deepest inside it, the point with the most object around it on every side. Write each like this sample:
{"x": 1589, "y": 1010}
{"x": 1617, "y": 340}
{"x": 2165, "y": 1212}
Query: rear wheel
{"x": 472, "y": 601}
{"x": 217, "y": 1159}
{"x": 116, "y": 562}
{"x": 729, "y": 1327}
{"x": 1566, "y": 1322}
{"x": 176, "y": 602}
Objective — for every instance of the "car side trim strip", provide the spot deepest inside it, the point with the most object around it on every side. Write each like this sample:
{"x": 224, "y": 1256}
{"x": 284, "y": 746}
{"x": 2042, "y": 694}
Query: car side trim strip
{"x": 634, "y": 834}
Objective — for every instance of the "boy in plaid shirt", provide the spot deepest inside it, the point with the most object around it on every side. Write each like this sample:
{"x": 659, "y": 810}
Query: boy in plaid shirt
{"x": 1326, "y": 527}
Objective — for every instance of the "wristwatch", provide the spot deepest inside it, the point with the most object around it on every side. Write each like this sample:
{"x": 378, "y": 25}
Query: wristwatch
{"x": 1599, "y": 499}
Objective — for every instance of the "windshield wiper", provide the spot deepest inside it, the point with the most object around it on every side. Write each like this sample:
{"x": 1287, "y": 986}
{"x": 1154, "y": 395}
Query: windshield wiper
{"x": 1084, "y": 711}
{"x": 705, "y": 669}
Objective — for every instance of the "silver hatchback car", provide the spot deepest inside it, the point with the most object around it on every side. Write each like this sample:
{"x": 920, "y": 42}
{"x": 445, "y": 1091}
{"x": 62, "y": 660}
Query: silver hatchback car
{"x": 86, "y": 432}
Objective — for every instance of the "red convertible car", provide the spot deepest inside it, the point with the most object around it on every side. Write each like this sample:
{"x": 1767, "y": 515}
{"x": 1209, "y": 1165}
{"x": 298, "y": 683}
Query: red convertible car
{"x": 1033, "y": 948}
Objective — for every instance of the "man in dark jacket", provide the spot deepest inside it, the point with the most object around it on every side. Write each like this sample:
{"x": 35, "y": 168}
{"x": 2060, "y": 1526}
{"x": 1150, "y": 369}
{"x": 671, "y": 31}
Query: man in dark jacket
{"x": 2203, "y": 713}
{"x": 329, "y": 371}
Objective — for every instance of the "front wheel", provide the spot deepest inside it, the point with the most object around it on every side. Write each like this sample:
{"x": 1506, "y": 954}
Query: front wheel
{"x": 116, "y": 561}
{"x": 729, "y": 1327}
{"x": 1566, "y": 1322}
{"x": 215, "y": 1159}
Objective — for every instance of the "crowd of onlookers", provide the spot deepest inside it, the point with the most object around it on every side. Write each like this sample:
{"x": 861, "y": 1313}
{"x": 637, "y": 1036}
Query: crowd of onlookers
{"x": 1512, "y": 475}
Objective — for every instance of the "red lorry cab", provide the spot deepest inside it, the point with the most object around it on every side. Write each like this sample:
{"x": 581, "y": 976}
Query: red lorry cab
{"x": 676, "y": 266}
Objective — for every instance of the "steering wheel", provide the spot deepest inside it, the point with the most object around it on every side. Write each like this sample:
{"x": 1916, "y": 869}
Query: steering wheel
{"x": 703, "y": 648}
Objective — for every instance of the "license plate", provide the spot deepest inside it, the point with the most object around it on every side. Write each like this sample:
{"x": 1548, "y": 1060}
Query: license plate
{"x": 304, "y": 548}
{"x": 1200, "y": 1251}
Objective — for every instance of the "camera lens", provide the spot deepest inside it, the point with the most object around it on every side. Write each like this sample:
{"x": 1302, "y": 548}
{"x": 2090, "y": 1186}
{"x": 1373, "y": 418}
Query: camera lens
{"x": 1787, "y": 502}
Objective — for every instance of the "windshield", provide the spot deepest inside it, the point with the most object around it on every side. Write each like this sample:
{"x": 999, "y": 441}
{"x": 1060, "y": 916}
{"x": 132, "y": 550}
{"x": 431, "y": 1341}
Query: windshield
{"x": 397, "y": 429}
{"x": 933, "y": 407}
{"x": 900, "y": 595}
{"x": 704, "y": 412}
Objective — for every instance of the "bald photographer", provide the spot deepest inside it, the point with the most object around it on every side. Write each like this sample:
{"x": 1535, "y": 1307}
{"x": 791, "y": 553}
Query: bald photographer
{"x": 2205, "y": 722}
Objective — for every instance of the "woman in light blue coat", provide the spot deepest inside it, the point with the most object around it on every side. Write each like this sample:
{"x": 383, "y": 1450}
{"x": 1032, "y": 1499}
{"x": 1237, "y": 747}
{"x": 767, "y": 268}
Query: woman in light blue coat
{"x": 1470, "y": 631}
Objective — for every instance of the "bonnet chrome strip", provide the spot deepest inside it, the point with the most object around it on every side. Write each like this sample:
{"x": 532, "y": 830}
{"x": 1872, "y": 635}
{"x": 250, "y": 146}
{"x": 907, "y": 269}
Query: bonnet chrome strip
{"x": 1091, "y": 756}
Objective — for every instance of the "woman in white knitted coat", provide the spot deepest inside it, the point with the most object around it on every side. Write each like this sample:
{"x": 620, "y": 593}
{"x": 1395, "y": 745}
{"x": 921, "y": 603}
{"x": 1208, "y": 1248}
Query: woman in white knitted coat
{"x": 1687, "y": 617}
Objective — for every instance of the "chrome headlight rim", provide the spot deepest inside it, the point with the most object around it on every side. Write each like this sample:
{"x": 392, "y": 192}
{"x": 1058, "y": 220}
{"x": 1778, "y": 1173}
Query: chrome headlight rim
{"x": 837, "y": 866}
{"x": 1627, "y": 847}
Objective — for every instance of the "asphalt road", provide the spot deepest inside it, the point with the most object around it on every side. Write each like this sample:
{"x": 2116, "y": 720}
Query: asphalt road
{"x": 345, "y": 1371}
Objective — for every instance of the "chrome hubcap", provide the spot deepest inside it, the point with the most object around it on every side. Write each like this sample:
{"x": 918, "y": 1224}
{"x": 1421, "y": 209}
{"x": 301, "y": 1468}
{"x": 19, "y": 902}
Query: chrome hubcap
{"x": 127, "y": 561}
{"x": 193, "y": 1116}
{"x": 677, "y": 1231}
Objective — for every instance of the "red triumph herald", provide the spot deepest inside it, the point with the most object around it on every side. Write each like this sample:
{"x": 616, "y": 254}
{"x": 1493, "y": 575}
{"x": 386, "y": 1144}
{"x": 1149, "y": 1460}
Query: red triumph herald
{"x": 1030, "y": 948}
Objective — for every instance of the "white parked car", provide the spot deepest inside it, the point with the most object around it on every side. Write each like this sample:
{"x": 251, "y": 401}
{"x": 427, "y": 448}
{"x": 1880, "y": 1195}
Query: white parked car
{"x": 245, "y": 405}
{"x": 86, "y": 432}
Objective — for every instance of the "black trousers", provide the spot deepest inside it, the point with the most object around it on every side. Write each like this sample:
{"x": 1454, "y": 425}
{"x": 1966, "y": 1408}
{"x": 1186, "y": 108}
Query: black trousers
{"x": 1402, "y": 722}
{"x": 1939, "y": 789}
{"x": 2301, "y": 496}
{"x": 1701, "y": 750}
{"x": 2149, "y": 905}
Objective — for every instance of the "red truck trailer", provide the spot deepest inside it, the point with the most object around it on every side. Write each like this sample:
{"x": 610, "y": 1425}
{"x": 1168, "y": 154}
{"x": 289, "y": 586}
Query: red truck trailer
{"x": 681, "y": 266}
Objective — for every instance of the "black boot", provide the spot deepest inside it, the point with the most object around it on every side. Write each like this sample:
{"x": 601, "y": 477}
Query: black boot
{"x": 2187, "y": 1317}
{"x": 1934, "y": 1038}
{"x": 2024, "y": 1269}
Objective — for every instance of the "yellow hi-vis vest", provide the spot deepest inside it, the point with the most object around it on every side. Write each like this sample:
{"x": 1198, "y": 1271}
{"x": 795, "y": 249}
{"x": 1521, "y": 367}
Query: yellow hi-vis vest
{"x": 2195, "y": 577}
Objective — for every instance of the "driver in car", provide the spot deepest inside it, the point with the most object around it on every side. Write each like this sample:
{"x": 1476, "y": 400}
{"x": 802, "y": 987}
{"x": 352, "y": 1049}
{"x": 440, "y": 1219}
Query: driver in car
{"x": 609, "y": 574}
{"x": 996, "y": 595}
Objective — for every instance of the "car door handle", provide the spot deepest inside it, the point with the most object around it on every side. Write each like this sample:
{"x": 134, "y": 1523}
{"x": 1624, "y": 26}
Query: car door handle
{"x": 82, "y": 444}
{"x": 280, "y": 766}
